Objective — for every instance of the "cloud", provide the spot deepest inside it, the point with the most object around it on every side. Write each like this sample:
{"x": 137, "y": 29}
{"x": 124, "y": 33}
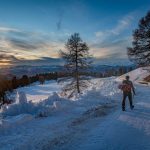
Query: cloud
{"x": 7, "y": 29}
{"x": 59, "y": 13}
{"x": 30, "y": 47}
{"x": 60, "y": 19}
{"x": 59, "y": 23}
{"x": 113, "y": 50}
{"x": 121, "y": 26}
{"x": 44, "y": 61}
{"x": 22, "y": 44}
{"x": 9, "y": 57}
{"x": 111, "y": 43}
{"x": 100, "y": 34}
{"x": 6, "y": 59}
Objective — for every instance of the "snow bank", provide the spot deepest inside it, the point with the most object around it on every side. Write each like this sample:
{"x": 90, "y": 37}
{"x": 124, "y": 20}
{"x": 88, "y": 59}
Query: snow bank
{"x": 42, "y": 108}
{"x": 22, "y": 107}
{"x": 16, "y": 120}
{"x": 107, "y": 87}
{"x": 136, "y": 75}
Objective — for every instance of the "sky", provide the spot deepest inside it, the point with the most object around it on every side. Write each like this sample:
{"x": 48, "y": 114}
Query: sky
{"x": 33, "y": 31}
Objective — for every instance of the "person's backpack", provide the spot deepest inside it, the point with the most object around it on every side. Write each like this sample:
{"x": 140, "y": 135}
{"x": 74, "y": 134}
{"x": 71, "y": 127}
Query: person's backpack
{"x": 125, "y": 87}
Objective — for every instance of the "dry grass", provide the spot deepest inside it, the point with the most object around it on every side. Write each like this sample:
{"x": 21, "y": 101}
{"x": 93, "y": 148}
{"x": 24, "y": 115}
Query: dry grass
{"x": 147, "y": 79}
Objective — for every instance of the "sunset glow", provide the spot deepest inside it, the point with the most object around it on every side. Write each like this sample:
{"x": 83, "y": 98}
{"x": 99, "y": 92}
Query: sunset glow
{"x": 39, "y": 29}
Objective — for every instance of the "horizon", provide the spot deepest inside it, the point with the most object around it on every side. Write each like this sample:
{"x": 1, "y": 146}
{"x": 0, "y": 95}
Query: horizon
{"x": 33, "y": 32}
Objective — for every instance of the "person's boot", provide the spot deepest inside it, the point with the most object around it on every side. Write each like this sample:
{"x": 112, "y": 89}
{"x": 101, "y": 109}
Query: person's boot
{"x": 123, "y": 109}
{"x": 132, "y": 107}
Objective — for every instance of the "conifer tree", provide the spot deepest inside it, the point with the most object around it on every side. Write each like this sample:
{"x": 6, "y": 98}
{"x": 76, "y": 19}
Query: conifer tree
{"x": 77, "y": 60}
{"x": 139, "y": 53}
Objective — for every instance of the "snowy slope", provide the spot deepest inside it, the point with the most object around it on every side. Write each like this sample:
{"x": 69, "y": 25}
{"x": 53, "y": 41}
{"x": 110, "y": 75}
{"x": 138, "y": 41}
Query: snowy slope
{"x": 37, "y": 92}
{"x": 136, "y": 75}
{"x": 95, "y": 121}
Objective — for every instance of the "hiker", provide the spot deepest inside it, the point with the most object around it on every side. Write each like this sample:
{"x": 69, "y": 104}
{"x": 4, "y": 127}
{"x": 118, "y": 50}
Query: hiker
{"x": 127, "y": 88}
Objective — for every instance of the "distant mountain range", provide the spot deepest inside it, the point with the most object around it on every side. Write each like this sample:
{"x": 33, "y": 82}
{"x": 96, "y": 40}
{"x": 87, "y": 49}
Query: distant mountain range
{"x": 33, "y": 70}
{"x": 28, "y": 70}
{"x": 32, "y": 67}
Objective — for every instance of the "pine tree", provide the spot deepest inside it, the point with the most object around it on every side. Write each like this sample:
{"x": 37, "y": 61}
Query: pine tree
{"x": 139, "y": 53}
{"x": 77, "y": 60}
{"x": 14, "y": 83}
{"x": 41, "y": 79}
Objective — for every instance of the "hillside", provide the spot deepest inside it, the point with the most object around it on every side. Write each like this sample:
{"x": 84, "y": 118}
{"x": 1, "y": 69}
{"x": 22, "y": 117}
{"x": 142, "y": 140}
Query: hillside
{"x": 41, "y": 119}
{"x": 137, "y": 75}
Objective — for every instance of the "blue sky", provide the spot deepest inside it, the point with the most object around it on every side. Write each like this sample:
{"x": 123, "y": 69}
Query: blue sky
{"x": 35, "y": 29}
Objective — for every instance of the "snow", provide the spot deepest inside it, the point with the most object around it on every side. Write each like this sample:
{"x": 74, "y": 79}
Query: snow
{"x": 101, "y": 88}
{"x": 16, "y": 120}
{"x": 42, "y": 119}
{"x": 24, "y": 106}
{"x": 37, "y": 92}
{"x": 136, "y": 75}
{"x": 128, "y": 130}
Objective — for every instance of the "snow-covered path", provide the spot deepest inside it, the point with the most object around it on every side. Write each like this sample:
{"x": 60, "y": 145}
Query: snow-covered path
{"x": 128, "y": 130}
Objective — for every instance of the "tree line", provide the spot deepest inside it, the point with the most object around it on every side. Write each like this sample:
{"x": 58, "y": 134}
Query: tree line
{"x": 110, "y": 72}
{"x": 25, "y": 80}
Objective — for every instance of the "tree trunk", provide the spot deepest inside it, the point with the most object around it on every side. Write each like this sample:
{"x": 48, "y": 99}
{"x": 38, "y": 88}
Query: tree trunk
{"x": 78, "y": 88}
{"x": 77, "y": 72}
